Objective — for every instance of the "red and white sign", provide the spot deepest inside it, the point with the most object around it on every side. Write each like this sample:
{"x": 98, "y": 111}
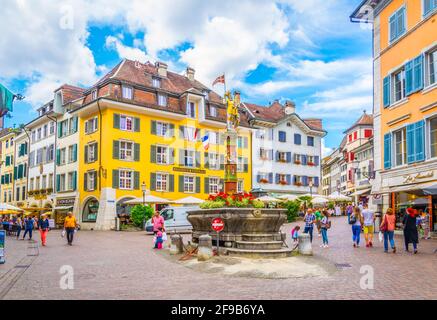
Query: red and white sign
{"x": 218, "y": 225}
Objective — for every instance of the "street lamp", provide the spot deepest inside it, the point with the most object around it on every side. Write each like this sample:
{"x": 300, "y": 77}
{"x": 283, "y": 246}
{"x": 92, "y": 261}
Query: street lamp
{"x": 144, "y": 189}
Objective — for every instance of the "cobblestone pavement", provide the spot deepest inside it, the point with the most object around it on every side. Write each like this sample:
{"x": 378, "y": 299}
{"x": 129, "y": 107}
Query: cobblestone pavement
{"x": 122, "y": 265}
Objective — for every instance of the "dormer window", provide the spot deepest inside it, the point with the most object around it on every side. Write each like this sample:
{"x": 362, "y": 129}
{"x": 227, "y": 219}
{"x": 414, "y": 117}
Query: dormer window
{"x": 94, "y": 94}
{"x": 162, "y": 100}
{"x": 156, "y": 82}
{"x": 191, "y": 110}
{"x": 213, "y": 111}
{"x": 127, "y": 92}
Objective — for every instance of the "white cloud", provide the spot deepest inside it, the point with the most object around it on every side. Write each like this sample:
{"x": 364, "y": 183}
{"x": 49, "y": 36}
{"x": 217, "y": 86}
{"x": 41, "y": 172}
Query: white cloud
{"x": 326, "y": 151}
{"x": 126, "y": 51}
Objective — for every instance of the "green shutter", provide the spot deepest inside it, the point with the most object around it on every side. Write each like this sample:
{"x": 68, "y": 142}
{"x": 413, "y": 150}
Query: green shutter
{"x": 59, "y": 129}
{"x": 171, "y": 153}
{"x": 74, "y": 180}
{"x": 95, "y": 180}
{"x": 58, "y": 157}
{"x": 137, "y": 152}
{"x": 116, "y": 121}
{"x": 153, "y": 154}
{"x": 198, "y": 164}
{"x": 137, "y": 180}
{"x": 386, "y": 91}
{"x": 206, "y": 160}
{"x": 75, "y": 152}
{"x": 8, "y": 161}
{"x": 115, "y": 179}
{"x": 246, "y": 165}
{"x": 153, "y": 127}
{"x": 85, "y": 181}
{"x": 86, "y": 154}
{"x": 152, "y": 181}
{"x": 137, "y": 127}
{"x": 58, "y": 182}
{"x": 171, "y": 183}
{"x": 197, "y": 184}
{"x": 181, "y": 132}
{"x": 206, "y": 185}
{"x": 181, "y": 183}
{"x": 75, "y": 124}
{"x": 15, "y": 173}
{"x": 171, "y": 126}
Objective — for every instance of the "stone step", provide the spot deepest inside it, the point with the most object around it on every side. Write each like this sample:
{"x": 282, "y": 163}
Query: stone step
{"x": 260, "y": 254}
{"x": 259, "y": 245}
{"x": 261, "y": 237}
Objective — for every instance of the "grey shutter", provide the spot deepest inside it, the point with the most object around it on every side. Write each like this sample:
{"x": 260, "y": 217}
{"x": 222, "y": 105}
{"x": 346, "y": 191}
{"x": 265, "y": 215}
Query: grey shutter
{"x": 136, "y": 180}
{"x": 171, "y": 183}
{"x": 86, "y": 127}
{"x": 153, "y": 181}
{"x": 95, "y": 179}
{"x": 115, "y": 179}
{"x": 181, "y": 183}
{"x": 181, "y": 157}
{"x": 116, "y": 149}
{"x": 137, "y": 124}
{"x": 153, "y": 154}
{"x": 153, "y": 127}
{"x": 197, "y": 184}
{"x": 270, "y": 177}
{"x": 85, "y": 181}
{"x": 171, "y": 152}
{"x": 182, "y": 132}
{"x": 222, "y": 162}
{"x": 206, "y": 160}
{"x": 171, "y": 130}
{"x": 96, "y": 152}
{"x": 246, "y": 165}
{"x": 206, "y": 185}
{"x": 277, "y": 178}
{"x": 222, "y": 183}
{"x": 198, "y": 164}
{"x": 245, "y": 142}
{"x": 86, "y": 154}
{"x": 137, "y": 152}
{"x": 116, "y": 121}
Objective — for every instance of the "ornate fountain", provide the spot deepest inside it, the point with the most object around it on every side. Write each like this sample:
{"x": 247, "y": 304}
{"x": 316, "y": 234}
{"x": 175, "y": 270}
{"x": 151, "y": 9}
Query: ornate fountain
{"x": 251, "y": 232}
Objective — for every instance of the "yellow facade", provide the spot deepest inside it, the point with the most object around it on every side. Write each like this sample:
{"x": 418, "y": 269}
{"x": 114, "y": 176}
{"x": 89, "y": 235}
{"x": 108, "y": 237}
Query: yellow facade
{"x": 7, "y": 167}
{"x": 106, "y": 134}
{"x": 419, "y": 38}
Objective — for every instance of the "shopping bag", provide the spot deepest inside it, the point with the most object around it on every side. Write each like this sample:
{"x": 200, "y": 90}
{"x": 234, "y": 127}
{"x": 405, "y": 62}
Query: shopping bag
{"x": 164, "y": 236}
{"x": 380, "y": 236}
{"x": 63, "y": 233}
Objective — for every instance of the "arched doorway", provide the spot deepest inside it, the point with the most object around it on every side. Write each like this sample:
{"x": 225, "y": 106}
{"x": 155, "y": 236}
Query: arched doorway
{"x": 123, "y": 210}
{"x": 90, "y": 209}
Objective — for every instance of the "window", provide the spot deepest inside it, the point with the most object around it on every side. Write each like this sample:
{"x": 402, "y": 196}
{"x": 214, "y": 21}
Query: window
{"x": 94, "y": 94}
{"x": 91, "y": 180}
{"x": 213, "y": 111}
{"x": 213, "y": 137}
{"x": 156, "y": 82}
{"x": 189, "y": 158}
{"x": 240, "y": 186}
{"x": 429, "y": 6}
{"x": 161, "y": 155}
{"x": 126, "y": 179}
{"x": 214, "y": 162}
{"x": 282, "y": 136}
{"x": 433, "y": 137}
{"x": 50, "y": 153}
{"x": 398, "y": 87}
{"x": 162, "y": 129}
{"x": 264, "y": 154}
{"x": 214, "y": 185}
{"x": 39, "y": 156}
{"x": 191, "y": 110}
{"x": 31, "y": 185}
{"x": 33, "y": 136}
{"x": 240, "y": 164}
{"x": 61, "y": 186}
{"x": 71, "y": 154}
{"x": 400, "y": 143}
{"x": 51, "y": 181}
{"x": 91, "y": 149}
{"x": 260, "y": 134}
{"x": 52, "y": 128}
{"x": 126, "y": 150}
{"x": 431, "y": 68}
{"x": 127, "y": 92}
{"x": 397, "y": 22}
{"x": 62, "y": 156}
{"x": 126, "y": 123}
{"x": 45, "y": 132}
{"x": 91, "y": 125}
{"x": 190, "y": 133}
{"x": 38, "y": 135}
{"x": 368, "y": 133}
{"x": 162, "y": 100}
{"x": 71, "y": 182}
{"x": 297, "y": 139}
{"x": 310, "y": 141}
{"x": 161, "y": 182}
{"x": 189, "y": 184}
{"x": 44, "y": 182}
{"x": 282, "y": 156}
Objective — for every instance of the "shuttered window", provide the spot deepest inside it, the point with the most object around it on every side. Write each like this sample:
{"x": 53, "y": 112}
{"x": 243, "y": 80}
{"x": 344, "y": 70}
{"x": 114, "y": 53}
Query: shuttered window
{"x": 387, "y": 151}
{"x": 397, "y": 23}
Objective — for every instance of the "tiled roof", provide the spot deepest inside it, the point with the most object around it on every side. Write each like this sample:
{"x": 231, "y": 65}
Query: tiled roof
{"x": 364, "y": 120}
{"x": 315, "y": 124}
{"x": 71, "y": 93}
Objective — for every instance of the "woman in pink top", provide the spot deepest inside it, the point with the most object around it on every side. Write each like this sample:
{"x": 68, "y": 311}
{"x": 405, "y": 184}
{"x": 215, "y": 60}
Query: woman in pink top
{"x": 388, "y": 226}
{"x": 158, "y": 222}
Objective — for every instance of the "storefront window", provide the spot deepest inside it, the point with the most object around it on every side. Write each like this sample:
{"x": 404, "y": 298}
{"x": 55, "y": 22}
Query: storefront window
{"x": 90, "y": 210}
{"x": 405, "y": 200}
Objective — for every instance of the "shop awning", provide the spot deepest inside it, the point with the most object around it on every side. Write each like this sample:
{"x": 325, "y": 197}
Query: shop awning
{"x": 63, "y": 208}
{"x": 360, "y": 192}
{"x": 431, "y": 190}
{"x": 411, "y": 188}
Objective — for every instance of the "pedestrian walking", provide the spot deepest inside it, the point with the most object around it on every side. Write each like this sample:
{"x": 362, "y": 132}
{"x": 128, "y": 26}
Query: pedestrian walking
{"x": 28, "y": 227}
{"x": 44, "y": 228}
{"x": 410, "y": 229}
{"x": 19, "y": 226}
{"x": 426, "y": 225}
{"x": 325, "y": 224}
{"x": 387, "y": 227}
{"x": 369, "y": 223}
{"x": 349, "y": 211}
{"x": 318, "y": 215}
{"x": 309, "y": 219}
{"x": 295, "y": 234}
{"x": 70, "y": 225}
{"x": 356, "y": 221}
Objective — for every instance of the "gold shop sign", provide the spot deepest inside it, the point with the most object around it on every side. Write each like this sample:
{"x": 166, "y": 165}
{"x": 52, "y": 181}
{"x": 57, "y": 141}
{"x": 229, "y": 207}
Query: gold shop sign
{"x": 419, "y": 176}
{"x": 189, "y": 170}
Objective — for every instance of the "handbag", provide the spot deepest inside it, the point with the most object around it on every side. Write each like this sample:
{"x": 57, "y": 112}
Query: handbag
{"x": 353, "y": 219}
{"x": 383, "y": 227}
{"x": 164, "y": 236}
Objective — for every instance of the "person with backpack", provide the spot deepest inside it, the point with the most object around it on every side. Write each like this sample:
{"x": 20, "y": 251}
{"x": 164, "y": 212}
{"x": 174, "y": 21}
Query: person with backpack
{"x": 357, "y": 222}
{"x": 387, "y": 227}
{"x": 369, "y": 222}
{"x": 325, "y": 224}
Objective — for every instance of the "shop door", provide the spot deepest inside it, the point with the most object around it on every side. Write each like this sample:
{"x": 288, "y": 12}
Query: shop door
{"x": 434, "y": 213}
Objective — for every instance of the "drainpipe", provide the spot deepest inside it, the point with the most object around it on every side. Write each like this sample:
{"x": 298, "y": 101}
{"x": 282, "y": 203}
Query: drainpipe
{"x": 27, "y": 169}
{"x": 100, "y": 145}
{"x": 13, "y": 183}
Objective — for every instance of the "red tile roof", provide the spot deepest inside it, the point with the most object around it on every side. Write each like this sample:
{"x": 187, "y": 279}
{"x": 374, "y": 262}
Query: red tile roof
{"x": 71, "y": 93}
{"x": 364, "y": 120}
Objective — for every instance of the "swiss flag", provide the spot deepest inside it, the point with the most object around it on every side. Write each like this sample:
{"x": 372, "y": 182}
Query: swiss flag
{"x": 220, "y": 79}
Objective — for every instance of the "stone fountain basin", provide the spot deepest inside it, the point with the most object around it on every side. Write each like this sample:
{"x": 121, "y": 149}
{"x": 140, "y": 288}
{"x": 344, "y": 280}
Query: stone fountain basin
{"x": 265, "y": 223}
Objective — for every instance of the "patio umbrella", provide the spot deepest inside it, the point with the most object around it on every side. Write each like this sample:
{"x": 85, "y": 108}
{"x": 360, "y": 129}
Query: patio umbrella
{"x": 268, "y": 199}
{"x": 339, "y": 197}
{"x": 288, "y": 197}
{"x": 8, "y": 207}
{"x": 148, "y": 199}
{"x": 189, "y": 200}
{"x": 319, "y": 200}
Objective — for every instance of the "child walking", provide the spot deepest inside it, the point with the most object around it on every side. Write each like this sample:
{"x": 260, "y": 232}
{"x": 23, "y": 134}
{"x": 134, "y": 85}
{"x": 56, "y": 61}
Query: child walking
{"x": 295, "y": 234}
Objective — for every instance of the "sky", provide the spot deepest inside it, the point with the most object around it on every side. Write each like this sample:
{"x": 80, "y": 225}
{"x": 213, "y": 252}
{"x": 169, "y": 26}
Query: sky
{"x": 305, "y": 51}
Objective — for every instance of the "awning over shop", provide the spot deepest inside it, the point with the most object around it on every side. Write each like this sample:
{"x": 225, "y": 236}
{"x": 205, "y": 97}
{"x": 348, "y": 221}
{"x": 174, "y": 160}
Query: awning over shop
{"x": 431, "y": 190}
{"x": 413, "y": 188}
{"x": 361, "y": 192}
{"x": 63, "y": 208}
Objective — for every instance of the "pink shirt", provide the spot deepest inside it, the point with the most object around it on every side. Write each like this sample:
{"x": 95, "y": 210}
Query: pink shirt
{"x": 391, "y": 222}
{"x": 157, "y": 223}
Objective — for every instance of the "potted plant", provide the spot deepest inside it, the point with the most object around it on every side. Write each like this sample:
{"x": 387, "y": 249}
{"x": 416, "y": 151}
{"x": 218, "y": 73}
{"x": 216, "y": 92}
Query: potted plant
{"x": 297, "y": 162}
{"x": 298, "y": 184}
{"x": 311, "y": 164}
{"x": 283, "y": 183}
{"x": 264, "y": 181}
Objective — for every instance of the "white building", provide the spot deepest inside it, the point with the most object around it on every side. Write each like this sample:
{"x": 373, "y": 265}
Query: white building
{"x": 21, "y": 169}
{"x": 286, "y": 149}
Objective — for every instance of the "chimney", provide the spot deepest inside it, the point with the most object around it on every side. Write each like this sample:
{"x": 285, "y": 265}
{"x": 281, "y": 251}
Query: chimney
{"x": 162, "y": 68}
{"x": 290, "y": 107}
{"x": 190, "y": 73}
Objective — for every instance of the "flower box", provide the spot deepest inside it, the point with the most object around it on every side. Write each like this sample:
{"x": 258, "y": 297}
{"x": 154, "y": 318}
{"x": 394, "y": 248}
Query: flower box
{"x": 282, "y": 161}
{"x": 297, "y": 162}
{"x": 283, "y": 183}
{"x": 264, "y": 158}
{"x": 311, "y": 164}
{"x": 264, "y": 181}
{"x": 298, "y": 184}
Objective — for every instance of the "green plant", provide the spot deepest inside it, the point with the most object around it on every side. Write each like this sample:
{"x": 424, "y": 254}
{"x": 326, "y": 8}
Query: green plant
{"x": 212, "y": 205}
{"x": 141, "y": 213}
{"x": 331, "y": 205}
{"x": 258, "y": 204}
{"x": 292, "y": 210}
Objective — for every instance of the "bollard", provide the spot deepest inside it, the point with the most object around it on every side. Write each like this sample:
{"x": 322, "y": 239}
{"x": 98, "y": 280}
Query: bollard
{"x": 205, "y": 252}
{"x": 177, "y": 246}
{"x": 305, "y": 247}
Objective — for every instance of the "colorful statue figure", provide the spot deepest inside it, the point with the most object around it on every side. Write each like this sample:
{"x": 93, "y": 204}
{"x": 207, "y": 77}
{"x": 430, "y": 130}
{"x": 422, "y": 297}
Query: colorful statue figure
{"x": 233, "y": 116}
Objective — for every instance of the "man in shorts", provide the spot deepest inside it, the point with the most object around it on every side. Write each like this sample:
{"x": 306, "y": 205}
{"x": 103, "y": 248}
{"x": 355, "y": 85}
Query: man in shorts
{"x": 369, "y": 222}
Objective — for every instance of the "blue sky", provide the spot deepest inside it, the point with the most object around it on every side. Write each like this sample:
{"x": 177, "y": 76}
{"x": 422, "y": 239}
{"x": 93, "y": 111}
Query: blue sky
{"x": 305, "y": 51}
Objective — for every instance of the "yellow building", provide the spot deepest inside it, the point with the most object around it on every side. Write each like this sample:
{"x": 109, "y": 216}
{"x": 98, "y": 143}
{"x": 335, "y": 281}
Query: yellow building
{"x": 405, "y": 102}
{"x": 7, "y": 165}
{"x": 142, "y": 126}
